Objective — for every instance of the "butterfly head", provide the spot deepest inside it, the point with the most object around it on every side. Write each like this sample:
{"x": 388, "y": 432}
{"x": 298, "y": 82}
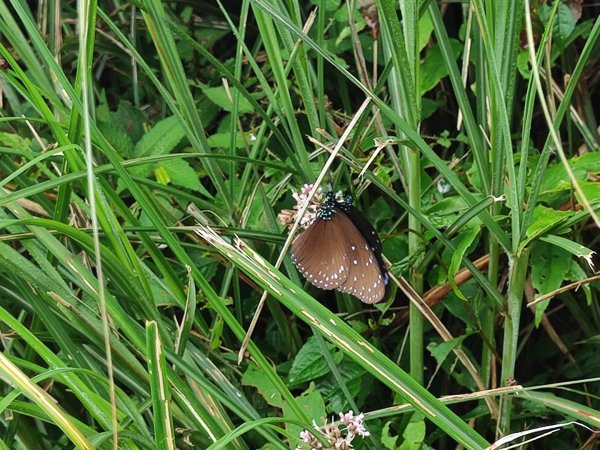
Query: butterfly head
{"x": 346, "y": 203}
{"x": 331, "y": 203}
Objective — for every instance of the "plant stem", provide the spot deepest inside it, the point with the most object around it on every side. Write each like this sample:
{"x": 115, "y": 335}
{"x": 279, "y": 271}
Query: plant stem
{"x": 416, "y": 278}
{"x": 517, "y": 278}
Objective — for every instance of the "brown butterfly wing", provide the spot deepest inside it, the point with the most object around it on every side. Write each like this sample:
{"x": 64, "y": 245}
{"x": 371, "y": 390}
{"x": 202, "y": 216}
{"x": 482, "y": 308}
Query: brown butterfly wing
{"x": 365, "y": 279}
{"x": 333, "y": 254}
{"x": 318, "y": 253}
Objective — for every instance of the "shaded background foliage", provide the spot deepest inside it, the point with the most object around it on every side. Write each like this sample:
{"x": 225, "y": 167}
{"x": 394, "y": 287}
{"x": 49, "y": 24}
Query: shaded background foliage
{"x": 235, "y": 149}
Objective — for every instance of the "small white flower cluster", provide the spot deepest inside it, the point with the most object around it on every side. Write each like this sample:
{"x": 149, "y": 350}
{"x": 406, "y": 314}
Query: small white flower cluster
{"x": 333, "y": 435}
{"x": 287, "y": 216}
{"x": 313, "y": 207}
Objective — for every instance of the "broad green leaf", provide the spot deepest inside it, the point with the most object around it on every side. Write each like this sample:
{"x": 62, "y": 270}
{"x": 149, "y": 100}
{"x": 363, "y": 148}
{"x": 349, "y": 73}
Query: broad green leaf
{"x": 122, "y": 127}
{"x": 255, "y": 377}
{"x": 576, "y": 273}
{"x": 181, "y": 173}
{"x": 414, "y": 434}
{"x": 591, "y": 191}
{"x": 451, "y": 205}
{"x": 354, "y": 377}
{"x": 313, "y": 406}
{"x": 220, "y": 97}
{"x": 556, "y": 178}
{"x": 216, "y": 334}
{"x": 544, "y": 219}
{"x": 13, "y": 140}
{"x": 131, "y": 119}
{"x": 523, "y": 64}
{"x": 574, "y": 248}
{"x": 564, "y": 22}
{"x": 328, "y": 5}
{"x": 309, "y": 363}
{"x": 429, "y": 107}
{"x": 223, "y": 140}
{"x": 434, "y": 68}
{"x": 457, "y": 257}
{"x": 388, "y": 441}
{"x": 118, "y": 137}
{"x": 588, "y": 161}
{"x": 440, "y": 351}
{"x": 425, "y": 30}
{"x": 162, "y": 176}
{"x": 161, "y": 139}
{"x": 549, "y": 265}
{"x": 445, "y": 212}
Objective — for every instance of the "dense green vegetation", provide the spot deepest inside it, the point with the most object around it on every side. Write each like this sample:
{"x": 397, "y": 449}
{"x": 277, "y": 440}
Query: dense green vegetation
{"x": 147, "y": 148}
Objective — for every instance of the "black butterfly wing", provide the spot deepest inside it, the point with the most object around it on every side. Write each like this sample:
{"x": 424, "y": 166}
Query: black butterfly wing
{"x": 366, "y": 229}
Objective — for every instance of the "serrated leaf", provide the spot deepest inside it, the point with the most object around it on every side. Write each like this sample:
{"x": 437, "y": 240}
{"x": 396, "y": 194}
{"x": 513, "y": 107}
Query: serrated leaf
{"x": 118, "y": 137}
{"x": 14, "y": 140}
{"x": 255, "y": 377}
{"x": 161, "y": 139}
{"x": 353, "y": 376}
{"x": 309, "y": 362}
{"x": 181, "y": 173}
{"x": 313, "y": 405}
{"x": 131, "y": 119}
{"x": 389, "y": 442}
{"x": 440, "y": 351}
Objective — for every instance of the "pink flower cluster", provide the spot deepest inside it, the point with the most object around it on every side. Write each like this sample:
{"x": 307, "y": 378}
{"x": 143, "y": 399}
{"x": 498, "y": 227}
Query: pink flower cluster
{"x": 288, "y": 216}
{"x": 336, "y": 438}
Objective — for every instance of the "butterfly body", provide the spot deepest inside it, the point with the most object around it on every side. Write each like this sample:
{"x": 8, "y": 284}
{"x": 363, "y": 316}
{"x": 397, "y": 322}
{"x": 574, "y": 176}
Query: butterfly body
{"x": 341, "y": 250}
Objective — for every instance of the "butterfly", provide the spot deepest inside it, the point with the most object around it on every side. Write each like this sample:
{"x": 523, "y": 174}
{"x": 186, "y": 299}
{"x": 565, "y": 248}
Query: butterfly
{"x": 341, "y": 250}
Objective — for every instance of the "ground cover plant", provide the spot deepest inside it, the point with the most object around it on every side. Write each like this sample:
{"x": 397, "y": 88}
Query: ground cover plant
{"x": 151, "y": 155}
